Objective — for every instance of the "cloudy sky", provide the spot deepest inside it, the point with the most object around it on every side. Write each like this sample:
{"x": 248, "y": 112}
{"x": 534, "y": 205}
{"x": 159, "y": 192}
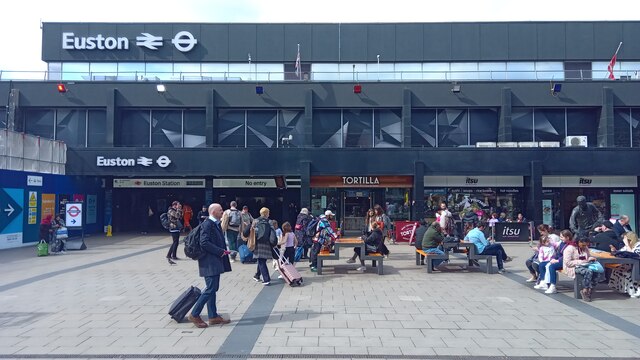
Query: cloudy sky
{"x": 20, "y": 33}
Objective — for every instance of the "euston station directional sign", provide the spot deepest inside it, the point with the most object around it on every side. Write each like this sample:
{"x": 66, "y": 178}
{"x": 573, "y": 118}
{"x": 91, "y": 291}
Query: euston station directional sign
{"x": 73, "y": 214}
{"x": 9, "y": 209}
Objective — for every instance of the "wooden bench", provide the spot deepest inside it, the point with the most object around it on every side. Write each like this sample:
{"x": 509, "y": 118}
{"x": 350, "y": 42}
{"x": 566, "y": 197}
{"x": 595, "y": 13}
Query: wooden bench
{"x": 325, "y": 255}
{"x": 429, "y": 257}
{"x": 375, "y": 259}
{"x": 474, "y": 256}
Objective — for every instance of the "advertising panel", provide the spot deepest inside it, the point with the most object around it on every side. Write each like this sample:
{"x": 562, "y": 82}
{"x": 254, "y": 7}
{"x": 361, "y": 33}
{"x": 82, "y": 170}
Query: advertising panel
{"x": 11, "y": 217}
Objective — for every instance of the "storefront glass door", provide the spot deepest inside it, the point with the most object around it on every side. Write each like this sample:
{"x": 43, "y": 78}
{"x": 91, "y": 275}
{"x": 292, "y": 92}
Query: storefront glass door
{"x": 355, "y": 204}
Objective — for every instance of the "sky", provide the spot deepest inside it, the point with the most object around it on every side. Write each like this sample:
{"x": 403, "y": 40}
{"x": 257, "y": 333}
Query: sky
{"x": 21, "y": 36}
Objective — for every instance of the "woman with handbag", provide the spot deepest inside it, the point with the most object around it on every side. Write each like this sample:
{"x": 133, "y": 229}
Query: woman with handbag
{"x": 371, "y": 245}
{"x": 577, "y": 261}
{"x": 621, "y": 279}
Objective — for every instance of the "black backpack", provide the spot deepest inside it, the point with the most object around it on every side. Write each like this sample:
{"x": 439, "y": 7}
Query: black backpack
{"x": 164, "y": 220}
{"x": 192, "y": 248}
{"x": 235, "y": 219}
{"x": 310, "y": 231}
{"x": 265, "y": 234}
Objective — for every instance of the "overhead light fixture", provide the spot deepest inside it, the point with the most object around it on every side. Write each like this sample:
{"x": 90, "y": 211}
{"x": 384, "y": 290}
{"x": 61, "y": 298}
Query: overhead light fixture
{"x": 259, "y": 89}
{"x": 455, "y": 88}
{"x": 161, "y": 88}
{"x": 357, "y": 89}
{"x": 62, "y": 88}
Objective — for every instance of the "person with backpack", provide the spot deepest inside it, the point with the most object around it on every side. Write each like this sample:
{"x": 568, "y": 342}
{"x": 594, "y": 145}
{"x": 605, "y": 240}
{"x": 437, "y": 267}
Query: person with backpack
{"x": 174, "y": 214}
{"x": 231, "y": 221}
{"x": 304, "y": 240}
{"x": 324, "y": 235}
{"x": 210, "y": 267}
{"x": 265, "y": 240}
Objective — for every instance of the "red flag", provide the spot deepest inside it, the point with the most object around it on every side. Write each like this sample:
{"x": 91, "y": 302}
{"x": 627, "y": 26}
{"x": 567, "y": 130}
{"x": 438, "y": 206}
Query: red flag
{"x": 612, "y": 63}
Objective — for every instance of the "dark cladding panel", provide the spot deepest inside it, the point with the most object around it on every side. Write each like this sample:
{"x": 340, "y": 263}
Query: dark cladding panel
{"x": 215, "y": 42}
{"x": 197, "y": 54}
{"x": 579, "y": 41}
{"x": 631, "y": 46}
{"x": 51, "y": 42}
{"x": 77, "y": 30}
{"x": 323, "y": 43}
{"x": 164, "y": 52}
{"x": 381, "y": 41}
{"x": 242, "y": 41}
{"x": 269, "y": 42}
{"x": 494, "y": 42}
{"x": 295, "y": 34}
{"x": 607, "y": 38}
{"x": 130, "y": 31}
{"x": 551, "y": 41}
{"x": 522, "y": 42}
{"x": 465, "y": 42}
{"x": 409, "y": 42}
{"x": 354, "y": 42}
{"x": 437, "y": 42}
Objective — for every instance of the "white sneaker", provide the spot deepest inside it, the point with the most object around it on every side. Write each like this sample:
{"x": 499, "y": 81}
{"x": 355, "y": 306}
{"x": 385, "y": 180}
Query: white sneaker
{"x": 541, "y": 286}
{"x": 531, "y": 279}
{"x": 636, "y": 295}
{"x": 551, "y": 290}
{"x": 279, "y": 276}
{"x": 362, "y": 268}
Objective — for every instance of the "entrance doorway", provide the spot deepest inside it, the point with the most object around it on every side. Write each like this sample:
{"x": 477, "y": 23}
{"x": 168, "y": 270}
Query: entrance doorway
{"x": 355, "y": 204}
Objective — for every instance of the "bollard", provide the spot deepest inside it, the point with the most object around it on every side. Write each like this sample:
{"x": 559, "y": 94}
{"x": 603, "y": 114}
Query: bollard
{"x": 108, "y": 230}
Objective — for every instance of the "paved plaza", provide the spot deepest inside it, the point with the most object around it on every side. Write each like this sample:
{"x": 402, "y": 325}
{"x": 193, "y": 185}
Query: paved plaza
{"x": 111, "y": 301}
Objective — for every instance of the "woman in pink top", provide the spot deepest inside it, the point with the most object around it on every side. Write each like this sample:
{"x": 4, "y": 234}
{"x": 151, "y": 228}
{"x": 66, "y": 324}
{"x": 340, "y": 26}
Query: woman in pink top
{"x": 574, "y": 261}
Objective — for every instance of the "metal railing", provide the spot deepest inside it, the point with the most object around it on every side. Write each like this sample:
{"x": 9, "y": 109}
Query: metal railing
{"x": 24, "y": 152}
{"x": 318, "y": 76}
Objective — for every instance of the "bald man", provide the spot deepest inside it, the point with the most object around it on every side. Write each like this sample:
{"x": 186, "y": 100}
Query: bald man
{"x": 210, "y": 267}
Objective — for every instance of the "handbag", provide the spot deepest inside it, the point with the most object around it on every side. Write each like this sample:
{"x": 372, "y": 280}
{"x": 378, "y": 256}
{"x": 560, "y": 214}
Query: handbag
{"x": 594, "y": 266}
{"x": 42, "y": 249}
{"x": 370, "y": 248}
{"x": 62, "y": 233}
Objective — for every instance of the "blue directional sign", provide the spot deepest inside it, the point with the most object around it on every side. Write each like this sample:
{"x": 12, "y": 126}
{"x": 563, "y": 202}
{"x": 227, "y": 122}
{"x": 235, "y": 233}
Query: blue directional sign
{"x": 10, "y": 209}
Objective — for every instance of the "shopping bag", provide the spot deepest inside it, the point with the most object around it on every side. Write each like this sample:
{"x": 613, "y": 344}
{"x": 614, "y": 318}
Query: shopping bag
{"x": 62, "y": 233}
{"x": 42, "y": 248}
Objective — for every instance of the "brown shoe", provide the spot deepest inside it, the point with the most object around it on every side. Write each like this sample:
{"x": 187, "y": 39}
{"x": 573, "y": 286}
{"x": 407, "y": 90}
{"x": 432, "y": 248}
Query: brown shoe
{"x": 197, "y": 321}
{"x": 218, "y": 321}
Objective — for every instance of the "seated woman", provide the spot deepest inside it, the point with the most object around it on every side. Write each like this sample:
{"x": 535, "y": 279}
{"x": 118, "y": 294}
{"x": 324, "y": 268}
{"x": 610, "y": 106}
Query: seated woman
{"x": 575, "y": 261}
{"x": 620, "y": 279}
{"x": 548, "y": 272}
{"x": 373, "y": 243}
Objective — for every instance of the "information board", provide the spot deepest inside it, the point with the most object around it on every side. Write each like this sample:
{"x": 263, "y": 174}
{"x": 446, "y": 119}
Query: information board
{"x": 73, "y": 214}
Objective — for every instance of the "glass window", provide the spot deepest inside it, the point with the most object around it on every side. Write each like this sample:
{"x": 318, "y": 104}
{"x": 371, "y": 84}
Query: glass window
{"x": 453, "y": 128}
{"x": 357, "y": 126}
{"x": 579, "y": 70}
{"x": 550, "y": 70}
{"x": 435, "y": 71}
{"x": 628, "y": 70}
{"x": 270, "y": 72}
{"x": 522, "y": 124}
{"x": 423, "y": 128}
{"x": 291, "y": 125}
{"x": 55, "y": 71}
{"x": 104, "y": 71}
{"x": 130, "y": 71}
{"x": 352, "y": 72}
{"x": 214, "y": 71}
{"x": 492, "y": 71}
{"x": 325, "y": 72}
{"x": 521, "y": 71}
{"x": 383, "y": 71}
{"x": 327, "y": 128}
{"x": 132, "y": 128}
{"x": 97, "y": 131}
{"x": 408, "y": 71}
{"x": 622, "y": 127}
{"x": 71, "y": 126}
{"x": 262, "y": 128}
{"x": 187, "y": 71}
{"x": 483, "y": 125}
{"x": 387, "y": 125}
{"x": 635, "y": 129}
{"x": 583, "y": 122}
{"x": 549, "y": 125}
{"x": 242, "y": 72}
{"x": 231, "y": 130}
{"x": 166, "y": 128}
{"x": 158, "y": 71}
{"x": 289, "y": 70}
{"x": 195, "y": 129}
{"x": 464, "y": 71}
{"x": 39, "y": 122}
{"x": 75, "y": 71}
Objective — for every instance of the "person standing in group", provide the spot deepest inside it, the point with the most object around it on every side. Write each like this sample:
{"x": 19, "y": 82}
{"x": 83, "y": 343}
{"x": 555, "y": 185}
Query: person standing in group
{"x": 274, "y": 224}
{"x": 187, "y": 214}
{"x": 300, "y": 231}
{"x": 263, "y": 249}
{"x": 289, "y": 242}
{"x": 445, "y": 218}
{"x": 247, "y": 220}
{"x": 231, "y": 221}
{"x": 324, "y": 235}
{"x": 175, "y": 226}
{"x": 45, "y": 229}
{"x": 203, "y": 214}
{"x": 210, "y": 266}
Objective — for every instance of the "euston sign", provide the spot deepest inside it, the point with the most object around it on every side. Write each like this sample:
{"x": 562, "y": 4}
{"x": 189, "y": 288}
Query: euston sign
{"x": 184, "y": 41}
{"x": 163, "y": 161}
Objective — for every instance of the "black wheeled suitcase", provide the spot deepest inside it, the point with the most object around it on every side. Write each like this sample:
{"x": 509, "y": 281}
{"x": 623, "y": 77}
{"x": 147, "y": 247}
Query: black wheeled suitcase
{"x": 184, "y": 303}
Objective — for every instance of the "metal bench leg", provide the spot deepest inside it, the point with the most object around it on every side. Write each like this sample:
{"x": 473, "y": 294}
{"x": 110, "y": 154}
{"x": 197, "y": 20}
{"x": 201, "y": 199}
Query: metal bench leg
{"x": 577, "y": 285}
{"x": 429, "y": 263}
{"x": 380, "y": 268}
{"x": 490, "y": 265}
{"x": 374, "y": 263}
{"x": 417, "y": 258}
{"x": 319, "y": 268}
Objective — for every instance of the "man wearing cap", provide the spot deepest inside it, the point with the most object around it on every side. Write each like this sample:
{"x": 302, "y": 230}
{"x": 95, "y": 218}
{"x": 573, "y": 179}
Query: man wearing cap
{"x": 324, "y": 234}
{"x": 607, "y": 237}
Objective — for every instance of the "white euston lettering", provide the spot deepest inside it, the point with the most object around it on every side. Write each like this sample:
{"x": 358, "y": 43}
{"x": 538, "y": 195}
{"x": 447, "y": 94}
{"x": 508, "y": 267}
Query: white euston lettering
{"x": 72, "y": 42}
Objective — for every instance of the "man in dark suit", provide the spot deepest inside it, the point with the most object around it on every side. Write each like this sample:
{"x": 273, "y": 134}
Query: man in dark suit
{"x": 607, "y": 238}
{"x": 622, "y": 226}
{"x": 210, "y": 267}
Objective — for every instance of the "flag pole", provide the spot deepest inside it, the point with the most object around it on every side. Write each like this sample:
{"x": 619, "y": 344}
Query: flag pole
{"x": 618, "y": 49}
{"x": 299, "y": 63}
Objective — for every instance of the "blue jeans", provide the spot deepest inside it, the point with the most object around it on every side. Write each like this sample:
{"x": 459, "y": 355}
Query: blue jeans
{"x": 437, "y": 251}
{"x": 552, "y": 272}
{"x": 263, "y": 270}
{"x": 542, "y": 269}
{"x": 498, "y": 251}
{"x": 208, "y": 297}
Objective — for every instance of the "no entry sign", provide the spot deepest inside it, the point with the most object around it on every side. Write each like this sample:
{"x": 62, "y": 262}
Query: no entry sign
{"x": 73, "y": 214}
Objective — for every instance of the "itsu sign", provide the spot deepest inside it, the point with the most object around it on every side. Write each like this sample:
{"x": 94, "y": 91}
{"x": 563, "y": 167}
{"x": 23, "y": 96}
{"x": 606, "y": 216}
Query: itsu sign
{"x": 505, "y": 231}
{"x": 73, "y": 214}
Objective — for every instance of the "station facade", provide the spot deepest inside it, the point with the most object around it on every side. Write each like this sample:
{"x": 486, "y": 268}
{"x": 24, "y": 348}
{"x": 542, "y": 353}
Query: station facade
{"x": 497, "y": 117}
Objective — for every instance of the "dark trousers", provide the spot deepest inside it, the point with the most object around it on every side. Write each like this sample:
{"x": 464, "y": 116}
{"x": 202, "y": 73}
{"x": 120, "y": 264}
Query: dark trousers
{"x": 263, "y": 270}
{"x": 498, "y": 251}
{"x": 173, "y": 250}
{"x": 533, "y": 268}
{"x": 290, "y": 254}
{"x": 208, "y": 297}
{"x": 315, "y": 250}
